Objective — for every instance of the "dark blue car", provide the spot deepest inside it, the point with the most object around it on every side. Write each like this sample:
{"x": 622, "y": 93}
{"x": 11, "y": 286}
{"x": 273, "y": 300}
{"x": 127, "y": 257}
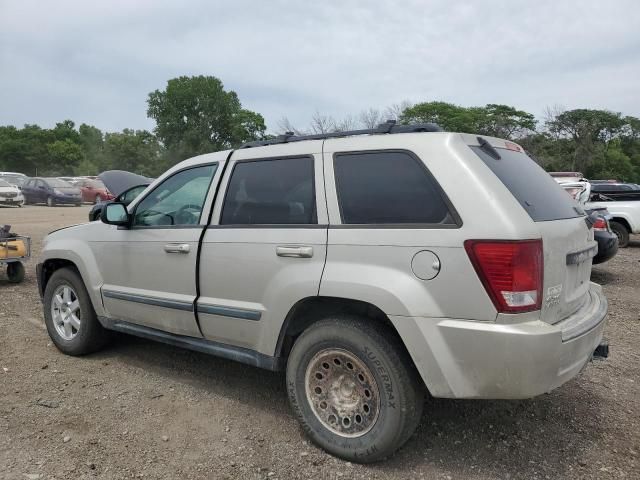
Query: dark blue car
{"x": 51, "y": 191}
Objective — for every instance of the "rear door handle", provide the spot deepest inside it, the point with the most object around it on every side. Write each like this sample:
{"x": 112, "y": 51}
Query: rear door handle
{"x": 294, "y": 251}
{"x": 177, "y": 248}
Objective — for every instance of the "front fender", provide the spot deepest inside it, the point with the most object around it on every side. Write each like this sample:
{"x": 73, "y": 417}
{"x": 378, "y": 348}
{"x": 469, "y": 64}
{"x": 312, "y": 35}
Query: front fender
{"x": 78, "y": 252}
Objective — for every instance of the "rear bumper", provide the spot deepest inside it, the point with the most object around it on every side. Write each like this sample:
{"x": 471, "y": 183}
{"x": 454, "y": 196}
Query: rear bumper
{"x": 467, "y": 359}
{"x": 607, "y": 246}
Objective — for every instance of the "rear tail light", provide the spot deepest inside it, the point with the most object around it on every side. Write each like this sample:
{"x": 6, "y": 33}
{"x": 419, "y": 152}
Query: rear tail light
{"x": 600, "y": 224}
{"x": 511, "y": 272}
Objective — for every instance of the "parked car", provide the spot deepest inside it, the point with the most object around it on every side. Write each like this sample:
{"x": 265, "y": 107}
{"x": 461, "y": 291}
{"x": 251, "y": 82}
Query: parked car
{"x": 51, "y": 191}
{"x": 564, "y": 177}
{"x": 126, "y": 186}
{"x": 622, "y": 202}
{"x": 14, "y": 178}
{"x": 71, "y": 180}
{"x": 602, "y": 233}
{"x": 371, "y": 268}
{"x": 625, "y": 216}
{"x": 93, "y": 191}
{"x": 10, "y": 194}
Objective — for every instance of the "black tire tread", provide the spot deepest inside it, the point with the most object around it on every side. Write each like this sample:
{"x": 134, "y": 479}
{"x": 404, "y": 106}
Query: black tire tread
{"x": 622, "y": 232}
{"x": 401, "y": 365}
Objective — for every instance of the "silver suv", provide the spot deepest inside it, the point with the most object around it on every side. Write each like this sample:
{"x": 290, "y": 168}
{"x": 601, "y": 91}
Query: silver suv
{"x": 373, "y": 266}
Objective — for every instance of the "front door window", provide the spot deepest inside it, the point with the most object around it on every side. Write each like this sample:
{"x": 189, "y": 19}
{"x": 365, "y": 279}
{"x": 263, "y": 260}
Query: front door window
{"x": 178, "y": 200}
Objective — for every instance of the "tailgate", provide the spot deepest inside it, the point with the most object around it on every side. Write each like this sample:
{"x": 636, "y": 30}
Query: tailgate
{"x": 569, "y": 248}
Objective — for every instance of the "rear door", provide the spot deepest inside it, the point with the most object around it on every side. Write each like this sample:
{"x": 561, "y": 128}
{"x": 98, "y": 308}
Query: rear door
{"x": 266, "y": 246}
{"x": 567, "y": 240}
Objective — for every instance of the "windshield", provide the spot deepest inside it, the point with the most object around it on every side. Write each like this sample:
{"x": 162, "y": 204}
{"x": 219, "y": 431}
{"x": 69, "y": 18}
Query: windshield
{"x": 538, "y": 193}
{"x": 5, "y": 184}
{"x": 57, "y": 183}
{"x": 94, "y": 184}
{"x": 128, "y": 196}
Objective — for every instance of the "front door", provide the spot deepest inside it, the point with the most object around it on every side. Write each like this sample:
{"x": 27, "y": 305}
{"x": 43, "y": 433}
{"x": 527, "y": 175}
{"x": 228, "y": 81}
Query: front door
{"x": 149, "y": 269}
{"x": 266, "y": 246}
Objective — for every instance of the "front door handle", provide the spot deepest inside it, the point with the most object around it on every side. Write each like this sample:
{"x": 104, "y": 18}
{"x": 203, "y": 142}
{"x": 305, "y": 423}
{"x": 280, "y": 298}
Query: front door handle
{"x": 177, "y": 248}
{"x": 294, "y": 251}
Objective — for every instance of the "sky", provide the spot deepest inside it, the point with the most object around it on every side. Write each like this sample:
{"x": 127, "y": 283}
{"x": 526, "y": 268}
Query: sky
{"x": 96, "y": 62}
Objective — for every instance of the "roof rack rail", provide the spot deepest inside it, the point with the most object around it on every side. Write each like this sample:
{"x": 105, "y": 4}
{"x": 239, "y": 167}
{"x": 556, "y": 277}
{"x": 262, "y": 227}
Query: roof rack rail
{"x": 389, "y": 126}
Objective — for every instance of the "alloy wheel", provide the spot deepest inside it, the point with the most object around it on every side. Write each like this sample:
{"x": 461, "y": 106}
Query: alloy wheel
{"x": 65, "y": 312}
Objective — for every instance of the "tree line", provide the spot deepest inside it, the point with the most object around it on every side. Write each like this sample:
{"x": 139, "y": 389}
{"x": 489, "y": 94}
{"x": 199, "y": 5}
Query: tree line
{"x": 196, "y": 115}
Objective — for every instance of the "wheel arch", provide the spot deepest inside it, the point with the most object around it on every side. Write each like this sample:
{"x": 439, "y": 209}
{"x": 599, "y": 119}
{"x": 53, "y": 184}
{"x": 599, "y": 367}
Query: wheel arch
{"x": 310, "y": 310}
{"x": 55, "y": 261}
{"x": 622, "y": 221}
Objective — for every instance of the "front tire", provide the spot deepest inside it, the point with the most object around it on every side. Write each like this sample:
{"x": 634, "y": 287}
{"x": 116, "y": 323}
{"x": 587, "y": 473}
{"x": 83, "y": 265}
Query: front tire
{"x": 621, "y": 232}
{"x": 50, "y": 202}
{"x": 71, "y": 321}
{"x": 354, "y": 388}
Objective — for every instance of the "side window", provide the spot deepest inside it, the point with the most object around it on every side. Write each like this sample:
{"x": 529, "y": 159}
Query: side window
{"x": 389, "y": 187}
{"x": 178, "y": 200}
{"x": 271, "y": 192}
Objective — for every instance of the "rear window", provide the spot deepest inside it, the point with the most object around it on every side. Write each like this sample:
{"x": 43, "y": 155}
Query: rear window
{"x": 535, "y": 189}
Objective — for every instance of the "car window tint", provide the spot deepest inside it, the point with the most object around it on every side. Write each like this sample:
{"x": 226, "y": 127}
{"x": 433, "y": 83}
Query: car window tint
{"x": 128, "y": 196}
{"x": 536, "y": 191}
{"x": 178, "y": 200}
{"x": 268, "y": 192}
{"x": 387, "y": 188}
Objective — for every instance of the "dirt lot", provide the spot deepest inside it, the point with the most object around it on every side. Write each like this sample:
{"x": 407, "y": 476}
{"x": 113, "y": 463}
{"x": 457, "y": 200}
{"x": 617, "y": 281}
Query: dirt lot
{"x": 142, "y": 409}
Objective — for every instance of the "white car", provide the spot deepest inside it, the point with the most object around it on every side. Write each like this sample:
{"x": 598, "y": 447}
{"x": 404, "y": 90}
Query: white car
{"x": 623, "y": 205}
{"x": 10, "y": 194}
{"x": 14, "y": 178}
{"x": 372, "y": 266}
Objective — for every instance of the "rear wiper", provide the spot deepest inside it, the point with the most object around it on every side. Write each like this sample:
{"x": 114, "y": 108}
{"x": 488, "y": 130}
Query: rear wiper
{"x": 488, "y": 149}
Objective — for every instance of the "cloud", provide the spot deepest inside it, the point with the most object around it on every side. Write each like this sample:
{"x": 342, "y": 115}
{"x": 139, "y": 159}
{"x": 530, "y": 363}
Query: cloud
{"x": 96, "y": 62}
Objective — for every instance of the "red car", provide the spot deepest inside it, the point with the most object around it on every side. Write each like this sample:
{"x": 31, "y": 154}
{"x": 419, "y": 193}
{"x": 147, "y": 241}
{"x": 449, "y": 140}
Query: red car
{"x": 93, "y": 191}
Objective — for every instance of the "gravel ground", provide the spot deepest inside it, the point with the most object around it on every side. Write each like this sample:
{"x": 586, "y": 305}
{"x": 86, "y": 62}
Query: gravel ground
{"x": 145, "y": 410}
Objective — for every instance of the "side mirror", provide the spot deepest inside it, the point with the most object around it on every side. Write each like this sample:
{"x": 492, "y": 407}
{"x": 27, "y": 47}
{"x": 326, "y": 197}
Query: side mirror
{"x": 115, "y": 214}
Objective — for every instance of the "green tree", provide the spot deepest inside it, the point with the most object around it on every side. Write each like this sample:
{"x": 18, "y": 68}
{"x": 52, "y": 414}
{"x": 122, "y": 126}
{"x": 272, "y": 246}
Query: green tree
{"x": 135, "y": 151}
{"x": 64, "y": 158}
{"x": 494, "y": 120}
{"x": 196, "y": 115}
{"x": 587, "y": 129}
{"x": 450, "y": 117}
{"x": 612, "y": 163}
{"x": 504, "y": 121}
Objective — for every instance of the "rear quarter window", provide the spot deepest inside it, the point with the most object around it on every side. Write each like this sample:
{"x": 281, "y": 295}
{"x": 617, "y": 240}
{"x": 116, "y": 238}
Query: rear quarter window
{"x": 388, "y": 187}
{"x": 536, "y": 191}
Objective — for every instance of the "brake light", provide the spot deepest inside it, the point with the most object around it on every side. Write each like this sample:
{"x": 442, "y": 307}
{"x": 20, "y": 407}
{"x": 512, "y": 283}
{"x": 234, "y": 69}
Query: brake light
{"x": 511, "y": 272}
{"x": 600, "y": 224}
{"x": 512, "y": 146}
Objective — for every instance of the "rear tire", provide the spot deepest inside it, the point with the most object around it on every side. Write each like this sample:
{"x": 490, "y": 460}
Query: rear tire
{"x": 78, "y": 336}
{"x": 621, "y": 232}
{"x": 15, "y": 272}
{"x": 50, "y": 202}
{"x": 353, "y": 388}
{"x": 98, "y": 199}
